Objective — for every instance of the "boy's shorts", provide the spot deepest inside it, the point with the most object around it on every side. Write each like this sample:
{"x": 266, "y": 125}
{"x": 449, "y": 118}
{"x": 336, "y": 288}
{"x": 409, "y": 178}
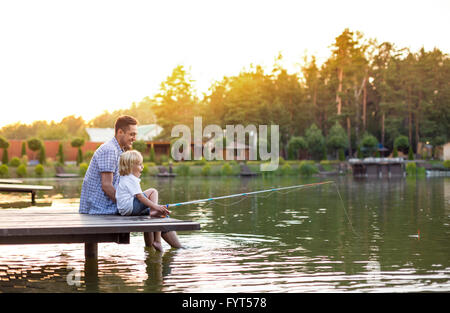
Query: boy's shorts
{"x": 139, "y": 208}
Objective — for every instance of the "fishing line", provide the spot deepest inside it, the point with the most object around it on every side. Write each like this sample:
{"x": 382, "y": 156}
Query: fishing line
{"x": 271, "y": 191}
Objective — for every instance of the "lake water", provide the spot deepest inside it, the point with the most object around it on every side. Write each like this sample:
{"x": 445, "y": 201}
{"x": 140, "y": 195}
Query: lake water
{"x": 386, "y": 235}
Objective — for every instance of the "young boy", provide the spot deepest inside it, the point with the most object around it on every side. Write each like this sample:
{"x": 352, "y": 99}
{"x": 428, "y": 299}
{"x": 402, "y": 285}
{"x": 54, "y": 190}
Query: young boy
{"x": 130, "y": 198}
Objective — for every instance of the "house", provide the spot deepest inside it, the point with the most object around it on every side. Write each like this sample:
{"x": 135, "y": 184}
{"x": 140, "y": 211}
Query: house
{"x": 446, "y": 151}
{"x": 145, "y": 132}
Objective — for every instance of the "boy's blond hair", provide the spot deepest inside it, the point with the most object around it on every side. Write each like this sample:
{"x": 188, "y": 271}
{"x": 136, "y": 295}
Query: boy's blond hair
{"x": 127, "y": 160}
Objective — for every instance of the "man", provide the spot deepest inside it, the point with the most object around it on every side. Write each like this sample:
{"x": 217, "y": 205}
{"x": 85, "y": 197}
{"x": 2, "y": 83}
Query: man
{"x": 98, "y": 192}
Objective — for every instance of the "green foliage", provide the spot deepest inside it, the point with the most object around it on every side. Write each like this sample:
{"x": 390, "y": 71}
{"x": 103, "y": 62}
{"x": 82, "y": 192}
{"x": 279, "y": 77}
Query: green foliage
{"x": 5, "y": 157}
{"x": 341, "y": 155}
{"x": 206, "y": 170}
{"x": 446, "y": 163}
{"x": 34, "y": 144}
{"x": 15, "y": 162}
{"x": 359, "y": 154}
{"x": 24, "y": 149}
{"x": 315, "y": 142}
{"x": 21, "y": 170}
{"x": 395, "y": 153}
{"x": 83, "y": 167}
{"x": 3, "y": 143}
{"x": 41, "y": 156}
{"x": 39, "y": 170}
{"x": 410, "y": 154}
{"x": 88, "y": 156}
{"x": 369, "y": 142}
{"x": 60, "y": 154}
{"x": 294, "y": 145}
{"x": 140, "y": 145}
{"x": 286, "y": 169}
{"x": 4, "y": 171}
{"x": 79, "y": 156}
{"x": 308, "y": 169}
{"x": 402, "y": 143}
{"x": 182, "y": 169}
{"x": 152, "y": 157}
{"x": 411, "y": 169}
{"x": 77, "y": 142}
{"x": 337, "y": 138}
{"x": 226, "y": 170}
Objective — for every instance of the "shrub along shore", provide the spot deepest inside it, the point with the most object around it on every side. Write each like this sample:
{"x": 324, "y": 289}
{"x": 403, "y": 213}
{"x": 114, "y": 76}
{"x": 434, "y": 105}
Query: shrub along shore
{"x": 17, "y": 168}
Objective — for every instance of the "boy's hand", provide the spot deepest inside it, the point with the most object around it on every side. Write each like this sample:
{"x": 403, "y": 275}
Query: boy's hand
{"x": 163, "y": 209}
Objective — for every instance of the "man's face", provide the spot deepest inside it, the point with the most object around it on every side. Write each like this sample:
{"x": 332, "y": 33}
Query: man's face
{"x": 127, "y": 138}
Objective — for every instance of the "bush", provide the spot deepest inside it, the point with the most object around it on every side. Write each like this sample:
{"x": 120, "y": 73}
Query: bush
{"x": 308, "y": 169}
{"x": 182, "y": 170}
{"x": 447, "y": 164}
{"x": 226, "y": 170}
{"x": 411, "y": 169}
{"x": 60, "y": 154}
{"x": 5, "y": 158}
{"x": 39, "y": 170}
{"x": 395, "y": 153}
{"x": 410, "y": 154}
{"x": 145, "y": 170}
{"x": 4, "y": 170}
{"x": 83, "y": 168}
{"x": 200, "y": 162}
{"x": 369, "y": 142}
{"x": 286, "y": 169}
{"x": 402, "y": 143}
{"x": 15, "y": 162}
{"x": 206, "y": 170}
{"x": 21, "y": 170}
{"x": 42, "y": 157}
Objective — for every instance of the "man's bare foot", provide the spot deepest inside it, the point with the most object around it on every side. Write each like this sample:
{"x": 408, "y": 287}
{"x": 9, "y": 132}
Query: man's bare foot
{"x": 158, "y": 246}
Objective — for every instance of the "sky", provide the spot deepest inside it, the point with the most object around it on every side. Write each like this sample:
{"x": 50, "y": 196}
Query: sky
{"x": 61, "y": 58}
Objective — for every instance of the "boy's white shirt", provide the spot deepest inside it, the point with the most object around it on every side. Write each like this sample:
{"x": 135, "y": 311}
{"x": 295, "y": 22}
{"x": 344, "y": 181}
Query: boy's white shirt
{"x": 129, "y": 186}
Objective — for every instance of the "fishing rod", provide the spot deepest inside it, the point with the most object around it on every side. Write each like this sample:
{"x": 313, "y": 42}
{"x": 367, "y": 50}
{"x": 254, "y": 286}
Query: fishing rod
{"x": 246, "y": 194}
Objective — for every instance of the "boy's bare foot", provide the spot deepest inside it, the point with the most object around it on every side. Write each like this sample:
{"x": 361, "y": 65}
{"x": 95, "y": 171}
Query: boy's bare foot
{"x": 158, "y": 246}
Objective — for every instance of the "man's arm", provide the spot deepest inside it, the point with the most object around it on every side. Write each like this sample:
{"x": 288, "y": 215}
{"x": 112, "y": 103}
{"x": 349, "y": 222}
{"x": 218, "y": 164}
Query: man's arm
{"x": 107, "y": 185}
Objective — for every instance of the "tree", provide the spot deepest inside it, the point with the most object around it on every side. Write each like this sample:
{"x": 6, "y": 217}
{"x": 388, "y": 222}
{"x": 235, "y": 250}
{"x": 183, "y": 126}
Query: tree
{"x": 4, "y": 144}
{"x": 60, "y": 154}
{"x": 294, "y": 145}
{"x": 176, "y": 103}
{"x": 78, "y": 143}
{"x": 369, "y": 143}
{"x": 315, "y": 142}
{"x": 337, "y": 139}
{"x": 42, "y": 156}
{"x": 24, "y": 149}
{"x": 140, "y": 145}
{"x": 34, "y": 144}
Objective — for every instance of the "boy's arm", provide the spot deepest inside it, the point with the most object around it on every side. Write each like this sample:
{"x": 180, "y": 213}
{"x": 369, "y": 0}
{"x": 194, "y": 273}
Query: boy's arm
{"x": 151, "y": 204}
{"x": 107, "y": 185}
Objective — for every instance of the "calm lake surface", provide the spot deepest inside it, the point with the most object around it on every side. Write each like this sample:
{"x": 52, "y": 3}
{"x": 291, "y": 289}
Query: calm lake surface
{"x": 388, "y": 235}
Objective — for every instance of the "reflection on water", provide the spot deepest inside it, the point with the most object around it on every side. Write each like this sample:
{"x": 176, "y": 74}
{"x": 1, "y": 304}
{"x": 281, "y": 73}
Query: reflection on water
{"x": 299, "y": 241}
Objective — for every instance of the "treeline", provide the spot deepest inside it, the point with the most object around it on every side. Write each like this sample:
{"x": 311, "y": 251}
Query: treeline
{"x": 364, "y": 94}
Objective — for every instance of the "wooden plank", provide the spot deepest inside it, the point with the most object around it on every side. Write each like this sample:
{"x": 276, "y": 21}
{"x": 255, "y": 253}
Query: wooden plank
{"x": 23, "y": 188}
{"x": 122, "y": 238}
{"x": 35, "y": 222}
{"x": 10, "y": 181}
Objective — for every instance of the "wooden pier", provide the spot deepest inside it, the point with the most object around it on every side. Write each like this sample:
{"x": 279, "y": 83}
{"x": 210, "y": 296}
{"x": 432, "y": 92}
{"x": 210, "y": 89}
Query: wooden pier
{"x": 25, "y": 188}
{"x": 50, "y": 226}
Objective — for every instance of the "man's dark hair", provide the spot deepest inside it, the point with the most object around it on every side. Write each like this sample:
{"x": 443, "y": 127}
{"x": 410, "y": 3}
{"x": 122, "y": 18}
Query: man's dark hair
{"x": 123, "y": 122}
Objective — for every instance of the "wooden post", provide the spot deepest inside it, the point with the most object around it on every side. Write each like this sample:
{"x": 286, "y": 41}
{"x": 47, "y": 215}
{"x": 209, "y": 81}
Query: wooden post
{"x": 91, "y": 250}
{"x": 33, "y": 197}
